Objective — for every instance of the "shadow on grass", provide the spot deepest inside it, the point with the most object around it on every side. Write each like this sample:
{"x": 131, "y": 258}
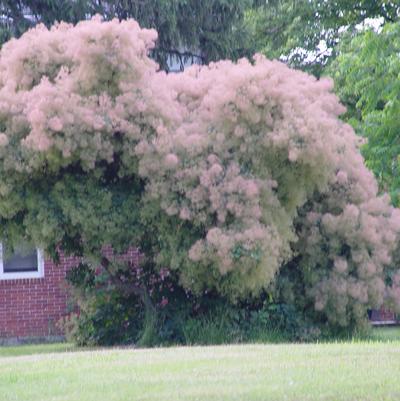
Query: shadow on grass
{"x": 378, "y": 334}
{"x": 388, "y": 333}
{"x": 33, "y": 349}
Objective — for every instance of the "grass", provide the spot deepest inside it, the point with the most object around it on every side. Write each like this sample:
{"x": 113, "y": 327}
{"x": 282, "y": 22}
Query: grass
{"x": 35, "y": 349}
{"x": 361, "y": 370}
{"x": 386, "y": 333}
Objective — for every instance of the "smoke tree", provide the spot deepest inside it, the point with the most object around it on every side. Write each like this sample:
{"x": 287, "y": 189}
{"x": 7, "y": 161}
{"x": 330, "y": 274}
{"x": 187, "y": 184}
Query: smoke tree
{"x": 238, "y": 176}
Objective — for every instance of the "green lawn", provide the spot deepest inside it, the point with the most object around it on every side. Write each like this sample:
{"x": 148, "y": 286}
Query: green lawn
{"x": 36, "y": 349}
{"x": 386, "y": 334}
{"x": 362, "y": 371}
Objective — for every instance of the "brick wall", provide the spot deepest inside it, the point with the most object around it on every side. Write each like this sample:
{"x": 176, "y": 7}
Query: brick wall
{"x": 384, "y": 315}
{"x": 32, "y": 307}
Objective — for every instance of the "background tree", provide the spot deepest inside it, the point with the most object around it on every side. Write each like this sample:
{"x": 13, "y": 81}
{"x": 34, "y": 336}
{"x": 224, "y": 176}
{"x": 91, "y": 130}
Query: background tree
{"x": 306, "y": 33}
{"x": 187, "y": 30}
{"x": 366, "y": 75}
{"x": 19, "y": 15}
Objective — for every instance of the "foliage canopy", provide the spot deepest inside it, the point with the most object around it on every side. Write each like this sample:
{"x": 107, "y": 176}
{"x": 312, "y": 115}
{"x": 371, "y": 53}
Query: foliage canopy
{"x": 366, "y": 73}
{"x": 187, "y": 29}
{"x": 229, "y": 174}
{"x": 305, "y": 33}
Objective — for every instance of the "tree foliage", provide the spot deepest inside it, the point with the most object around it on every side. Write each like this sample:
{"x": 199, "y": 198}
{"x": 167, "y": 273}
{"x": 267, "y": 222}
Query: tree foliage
{"x": 19, "y": 15}
{"x": 366, "y": 73}
{"x": 223, "y": 173}
{"x": 307, "y": 32}
{"x": 188, "y": 29}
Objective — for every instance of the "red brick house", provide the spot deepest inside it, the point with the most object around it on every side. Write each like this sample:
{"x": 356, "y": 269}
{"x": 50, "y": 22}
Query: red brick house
{"x": 34, "y": 296}
{"x": 33, "y": 293}
{"x": 383, "y": 317}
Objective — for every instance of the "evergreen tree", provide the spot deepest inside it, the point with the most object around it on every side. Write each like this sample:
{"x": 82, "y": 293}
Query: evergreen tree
{"x": 189, "y": 30}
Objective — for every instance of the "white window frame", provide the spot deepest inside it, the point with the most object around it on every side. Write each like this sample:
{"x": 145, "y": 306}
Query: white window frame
{"x": 22, "y": 275}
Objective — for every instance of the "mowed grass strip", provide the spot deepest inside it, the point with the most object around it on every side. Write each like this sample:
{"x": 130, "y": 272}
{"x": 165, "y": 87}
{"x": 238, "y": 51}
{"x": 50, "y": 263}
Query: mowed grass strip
{"x": 343, "y": 371}
{"x": 33, "y": 349}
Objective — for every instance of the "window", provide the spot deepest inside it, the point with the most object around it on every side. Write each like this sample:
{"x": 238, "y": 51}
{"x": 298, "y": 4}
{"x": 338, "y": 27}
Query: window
{"x": 22, "y": 263}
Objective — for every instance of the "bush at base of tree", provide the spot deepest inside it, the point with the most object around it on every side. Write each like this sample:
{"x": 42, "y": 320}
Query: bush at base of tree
{"x": 237, "y": 177}
{"x": 107, "y": 317}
